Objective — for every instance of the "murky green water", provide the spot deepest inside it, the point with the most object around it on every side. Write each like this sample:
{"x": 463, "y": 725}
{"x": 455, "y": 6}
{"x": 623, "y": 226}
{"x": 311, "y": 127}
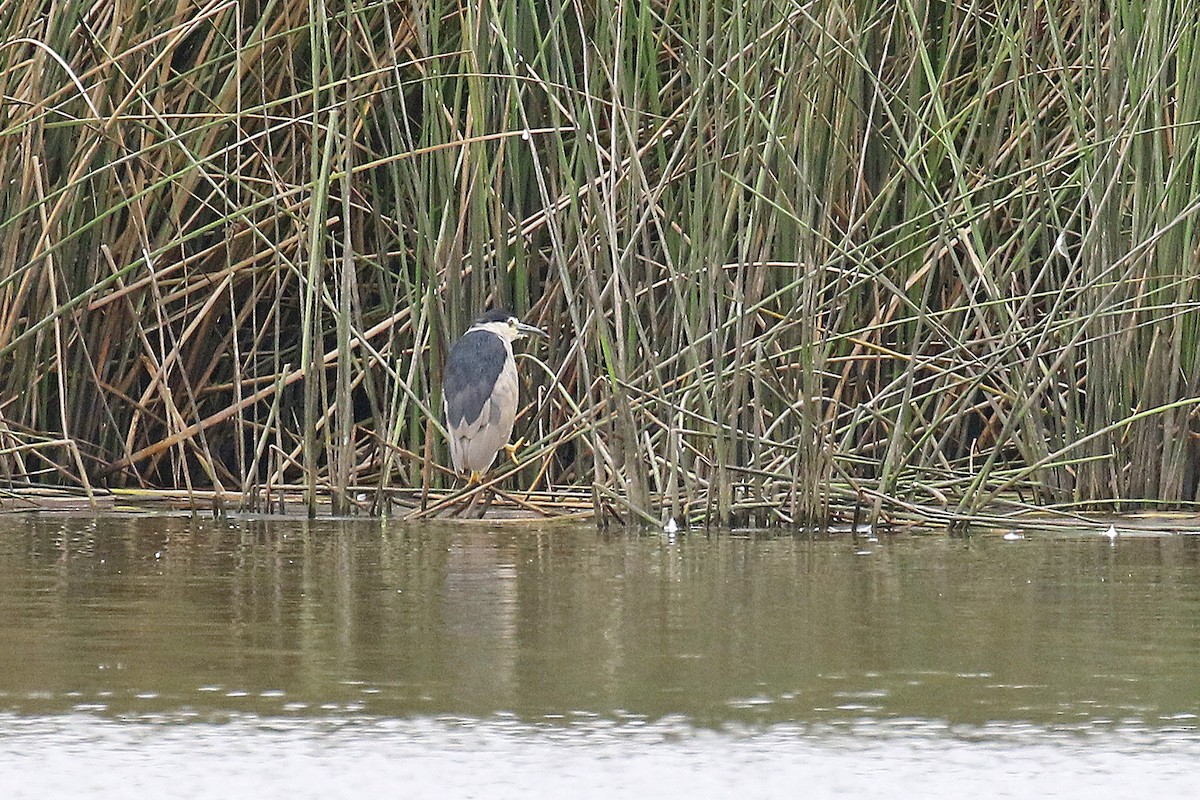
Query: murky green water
{"x": 170, "y": 656}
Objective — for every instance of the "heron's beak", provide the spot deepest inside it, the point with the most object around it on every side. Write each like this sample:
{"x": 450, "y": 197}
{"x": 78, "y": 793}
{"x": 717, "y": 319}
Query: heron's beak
{"x": 529, "y": 330}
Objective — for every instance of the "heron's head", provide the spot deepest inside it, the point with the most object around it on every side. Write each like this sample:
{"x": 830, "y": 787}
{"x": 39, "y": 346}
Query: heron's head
{"x": 501, "y": 322}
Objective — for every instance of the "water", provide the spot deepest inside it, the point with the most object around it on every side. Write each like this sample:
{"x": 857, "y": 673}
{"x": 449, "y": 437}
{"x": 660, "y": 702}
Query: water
{"x": 173, "y": 656}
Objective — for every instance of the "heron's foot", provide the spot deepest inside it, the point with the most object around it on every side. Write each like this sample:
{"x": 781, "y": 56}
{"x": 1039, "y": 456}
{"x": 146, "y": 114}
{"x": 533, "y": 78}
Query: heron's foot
{"x": 475, "y": 479}
{"x": 511, "y": 449}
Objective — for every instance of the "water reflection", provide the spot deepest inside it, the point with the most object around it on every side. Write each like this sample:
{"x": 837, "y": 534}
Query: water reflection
{"x": 135, "y": 615}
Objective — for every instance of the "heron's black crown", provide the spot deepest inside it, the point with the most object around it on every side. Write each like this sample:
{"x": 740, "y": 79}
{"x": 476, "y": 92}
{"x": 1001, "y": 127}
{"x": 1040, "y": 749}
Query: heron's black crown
{"x": 494, "y": 315}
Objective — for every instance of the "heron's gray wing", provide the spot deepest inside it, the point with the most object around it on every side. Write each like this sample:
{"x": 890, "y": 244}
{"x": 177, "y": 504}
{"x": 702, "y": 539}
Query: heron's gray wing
{"x": 474, "y": 364}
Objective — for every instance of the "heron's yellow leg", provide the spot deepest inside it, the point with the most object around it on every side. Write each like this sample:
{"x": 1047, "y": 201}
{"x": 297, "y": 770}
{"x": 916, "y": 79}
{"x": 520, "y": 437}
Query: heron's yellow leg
{"x": 511, "y": 449}
{"x": 475, "y": 479}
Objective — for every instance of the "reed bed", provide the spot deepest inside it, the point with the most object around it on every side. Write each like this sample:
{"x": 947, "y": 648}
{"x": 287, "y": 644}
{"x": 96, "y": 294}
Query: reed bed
{"x": 798, "y": 260}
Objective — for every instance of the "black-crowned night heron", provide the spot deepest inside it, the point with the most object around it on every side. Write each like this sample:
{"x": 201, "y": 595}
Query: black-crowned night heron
{"x": 479, "y": 391}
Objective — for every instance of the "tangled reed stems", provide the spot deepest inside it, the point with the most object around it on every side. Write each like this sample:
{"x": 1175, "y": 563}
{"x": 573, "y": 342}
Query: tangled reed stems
{"x": 799, "y": 260}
